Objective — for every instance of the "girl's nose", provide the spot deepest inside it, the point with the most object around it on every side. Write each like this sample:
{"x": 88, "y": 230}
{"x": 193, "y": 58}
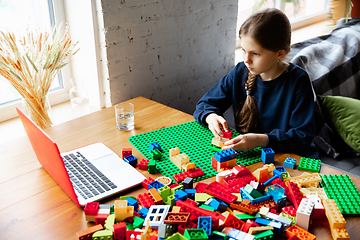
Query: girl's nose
{"x": 247, "y": 58}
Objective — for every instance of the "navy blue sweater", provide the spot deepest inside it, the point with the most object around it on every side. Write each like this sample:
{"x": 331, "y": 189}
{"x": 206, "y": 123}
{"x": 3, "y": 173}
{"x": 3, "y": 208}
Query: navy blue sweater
{"x": 285, "y": 104}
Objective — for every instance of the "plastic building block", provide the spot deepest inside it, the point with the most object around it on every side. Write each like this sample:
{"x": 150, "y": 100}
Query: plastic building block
{"x": 291, "y": 218}
{"x": 307, "y": 180}
{"x": 126, "y": 152}
{"x": 276, "y": 225}
{"x": 188, "y": 183}
{"x": 227, "y": 134}
{"x": 277, "y": 174}
{"x": 219, "y": 143}
{"x": 252, "y": 191}
{"x": 87, "y": 233}
{"x": 143, "y": 164}
{"x": 155, "y": 145}
{"x": 133, "y": 202}
{"x": 205, "y": 223}
{"x": 333, "y": 214}
{"x": 285, "y": 222}
{"x": 156, "y": 154}
{"x": 303, "y": 213}
{"x": 267, "y": 155}
{"x": 91, "y": 208}
{"x": 143, "y": 212}
{"x": 319, "y": 210}
{"x": 309, "y": 164}
{"x": 225, "y": 155}
{"x": 293, "y": 194}
{"x": 194, "y": 173}
{"x": 242, "y": 206}
{"x": 290, "y": 210}
{"x": 164, "y": 192}
{"x": 190, "y": 193}
{"x": 119, "y": 232}
{"x": 103, "y": 235}
{"x": 166, "y": 230}
{"x": 219, "y": 235}
{"x": 122, "y": 210}
{"x": 335, "y": 186}
{"x": 268, "y": 234}
{"x": 217, "y": 205}
{"x": 299, "y": 232}
{"x": 180, "y": 218}
{"x": 339, "y": 234}
{"x": 180, "y": 195}
{"x": 202, "y": 197}
{"x": 219, "y": 191}
{"x": 155, "y": 184}
{"x": 145, "y": 182}
{"x": 222, "y": 175}
{"x": 100, "y": 218}
{"x": 258, "y": 186}
{"x": 254, "y": 230}
{"x": 314, "y": 191}
{"x": 195, "y": 234}
{"x": 157, "y": 214}
{"x": 246, "y": 195}
{"x": 290, "y": 163}
{"x": 156, "y": 197}
{"x": 151, "y": 166}
{"x": 145, "y": 200}
{"x": 190, "y": 137}
{"x": 234, "y": 222}
{"x": 131, "y": 160}
{"x": 194, "y": 210}
{"x": 277, "y": 192}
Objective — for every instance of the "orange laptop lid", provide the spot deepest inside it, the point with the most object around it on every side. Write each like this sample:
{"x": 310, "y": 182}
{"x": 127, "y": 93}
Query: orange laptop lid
{"x": 48, "y": 154}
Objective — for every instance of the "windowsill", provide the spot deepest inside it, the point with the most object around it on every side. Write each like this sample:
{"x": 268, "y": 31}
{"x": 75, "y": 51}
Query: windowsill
{"x": 62, "y": 112}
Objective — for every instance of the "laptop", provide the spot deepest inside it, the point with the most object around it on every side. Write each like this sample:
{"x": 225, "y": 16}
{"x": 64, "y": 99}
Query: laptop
{"x": 86, "y": 174}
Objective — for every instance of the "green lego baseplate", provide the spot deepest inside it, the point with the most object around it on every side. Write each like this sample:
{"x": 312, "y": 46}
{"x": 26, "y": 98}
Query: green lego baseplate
{"x": 309, "y": 164}
{"x": 342, "y": 189}
{"x": 191, "y": 138}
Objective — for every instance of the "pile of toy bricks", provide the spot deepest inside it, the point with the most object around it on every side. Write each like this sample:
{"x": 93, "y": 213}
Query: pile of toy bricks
{"x": 240, "y": 204}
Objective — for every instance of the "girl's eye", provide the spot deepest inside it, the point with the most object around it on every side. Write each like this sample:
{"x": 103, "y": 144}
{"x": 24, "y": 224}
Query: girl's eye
{"x": 256, "y": 54}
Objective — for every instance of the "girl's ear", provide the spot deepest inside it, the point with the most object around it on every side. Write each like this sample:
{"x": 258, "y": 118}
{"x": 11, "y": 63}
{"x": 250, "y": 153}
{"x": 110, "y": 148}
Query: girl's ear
{"x": 281, "y": 54}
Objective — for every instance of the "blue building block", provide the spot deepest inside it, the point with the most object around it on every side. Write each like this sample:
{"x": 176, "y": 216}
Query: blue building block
{"x": 278, "y": 193}
{"x": 133, "y": 202}
{"x": 190, "y": 192}
{"x": 281, "y": 169}
{"x": 155, "y": 145}
{"x": 143, "y": 212}
{"x": 276, "y": 225}
{"x": 155, "y": 184}
{"x": 290, "y": 163}
{"x": 246, "y": 195}
{"x": 234, "y": 233}
{"x": 131, "y": 160}
{"x": 277, "y": 174}
{"x": 205, "y": 223}
{"x": 225, "y": 155}
{"x": 180, "y": 195}
{"x": 267, "y": 155}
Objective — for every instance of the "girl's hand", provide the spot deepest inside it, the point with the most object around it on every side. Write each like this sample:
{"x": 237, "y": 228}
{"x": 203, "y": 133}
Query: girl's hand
{"x": 247, "y": 142}
{"x": 215, "y": 124}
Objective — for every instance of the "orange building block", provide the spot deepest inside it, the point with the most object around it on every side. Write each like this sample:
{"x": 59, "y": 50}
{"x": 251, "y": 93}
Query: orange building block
{"x": 339, "y": 234}
{"x": 156, "y": 197}
{"x": 333, "y": 214}
{"x": 299, "y": 232}
{"x": 87, "y": 233}
{"x": 122, "y": 210}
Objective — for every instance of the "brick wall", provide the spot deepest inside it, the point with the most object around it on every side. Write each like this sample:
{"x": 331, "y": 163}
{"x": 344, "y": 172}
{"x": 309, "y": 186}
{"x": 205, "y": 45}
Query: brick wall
{"x": 171, "y": 51}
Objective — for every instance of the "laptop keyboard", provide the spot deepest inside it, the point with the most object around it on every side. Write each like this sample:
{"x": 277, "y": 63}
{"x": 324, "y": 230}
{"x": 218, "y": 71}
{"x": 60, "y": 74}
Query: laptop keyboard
{"x": 87, "y": 180}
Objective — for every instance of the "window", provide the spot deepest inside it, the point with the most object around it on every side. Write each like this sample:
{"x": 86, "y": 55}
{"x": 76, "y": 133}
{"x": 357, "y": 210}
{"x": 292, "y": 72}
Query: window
{"x": 28, "y": 13}
{"x": 305, "y": 13}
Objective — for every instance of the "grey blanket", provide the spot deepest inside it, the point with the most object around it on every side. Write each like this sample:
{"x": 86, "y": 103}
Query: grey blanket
{"x": 333, "y": 64}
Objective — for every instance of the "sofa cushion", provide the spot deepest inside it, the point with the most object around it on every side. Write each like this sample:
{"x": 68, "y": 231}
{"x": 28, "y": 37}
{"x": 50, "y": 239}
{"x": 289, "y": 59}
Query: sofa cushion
{"x": 344, "y": 116}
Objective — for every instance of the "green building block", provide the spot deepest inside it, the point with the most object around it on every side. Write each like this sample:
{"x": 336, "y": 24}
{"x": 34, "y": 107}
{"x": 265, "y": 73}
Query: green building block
{"x": 164, "y": 192}
{"x": 202, "y": 197}
{"x": 129, "y": 226}
{"x": 252, "y": 191}
{"x": 195, "y": 234}
{"x": 170, "y": 200}
{"x": 152, "y": 166}
{"x": 156, "y": 154}
{"x": 268, "y": 234}
{"x": 342, "y": 189}
{"x": 207, "y": 207}
{"x": 191, "y": 138}
{"x": 112, "y": 209}
{"x": 173, "y": 190}
{"x": 109, "y": 222}
{"x": 177, "y": 236}
{"x": 103, "y": 235}
{"x": 245, "y": 216}
{"x": 309, "y": 164}
{"x": 293, "y": 219}
{"x": 219, "y": 235}
{"x": 138, "y": 222}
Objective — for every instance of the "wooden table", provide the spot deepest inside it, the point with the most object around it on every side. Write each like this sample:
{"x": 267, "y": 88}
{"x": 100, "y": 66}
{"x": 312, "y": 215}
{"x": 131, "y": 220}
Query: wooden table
{"x": 33, "y": 206}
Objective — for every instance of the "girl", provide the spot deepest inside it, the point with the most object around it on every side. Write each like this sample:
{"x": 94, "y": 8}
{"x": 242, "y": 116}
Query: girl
{"x": 273, "y": 101}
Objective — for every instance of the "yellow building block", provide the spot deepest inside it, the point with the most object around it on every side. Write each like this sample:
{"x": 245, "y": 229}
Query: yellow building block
{"x": 174, "y": 152}
{"x": 333, "y": 214}
{"x": 219, "y": 143}
{"x": 122, "y": 210}
{"x": 254, "y": 230}
{"x": 314, "y": 191}
{"x": 339, "y": 234}
{"x": 308, "y": 180}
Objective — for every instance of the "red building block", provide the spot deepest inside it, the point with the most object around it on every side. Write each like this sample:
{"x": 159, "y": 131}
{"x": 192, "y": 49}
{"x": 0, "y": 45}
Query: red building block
{"x": 194, "y": 210}
{"x": 91, "y": 208}
{"x": 193, "y": 173}
{"x": 174, "y": 185}
{"x": 227, "y": 134}
{"x": 240, "y": 170}
{"x": 181, "y": 218}
{"x": 145, "y": 200}
{"x": 145, "y": 182}
{"x": 294, "y": 193}
{"x": 126, "y": 152}
{"x": 234, "y": 222}
{"x": 290, "y": 210}
{"x": 143, "y": 164}
{"x": 219, "y": 191}
{"x": 100, "y": 218}
{"x": 119, "y": 231}
{"x": 200, "y": 187}
{"x": 248, "y": 224}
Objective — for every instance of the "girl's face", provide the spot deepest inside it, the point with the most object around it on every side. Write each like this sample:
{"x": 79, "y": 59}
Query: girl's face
{"x": 261, "y": 61}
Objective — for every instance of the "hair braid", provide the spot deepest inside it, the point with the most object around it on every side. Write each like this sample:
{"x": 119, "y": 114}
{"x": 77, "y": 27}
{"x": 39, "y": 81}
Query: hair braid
{"x": 247, "y": 116}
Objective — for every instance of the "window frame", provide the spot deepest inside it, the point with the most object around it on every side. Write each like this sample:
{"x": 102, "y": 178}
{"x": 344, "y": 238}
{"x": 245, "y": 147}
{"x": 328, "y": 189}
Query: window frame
{"x": 56, "y": 96}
